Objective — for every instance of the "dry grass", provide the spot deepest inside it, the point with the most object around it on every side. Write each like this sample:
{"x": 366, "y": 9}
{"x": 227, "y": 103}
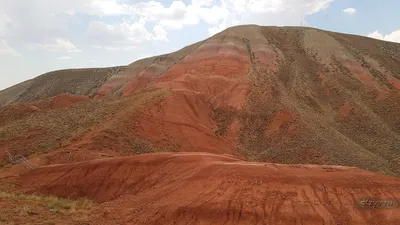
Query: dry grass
{"x": 224, "y": 118}
{"x": 33, "y": 209}
{"x": 7, "y": 187}
{"x": 84, "y": 82}
{"x": 367, "y": 138}
{"x": 56, "y": 128}
{"x": 53, "y": 204}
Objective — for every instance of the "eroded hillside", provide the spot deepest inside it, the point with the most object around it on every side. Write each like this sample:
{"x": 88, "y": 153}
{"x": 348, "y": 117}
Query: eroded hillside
{"x": 202, "y": 188}
{"x": 272, "y": 94}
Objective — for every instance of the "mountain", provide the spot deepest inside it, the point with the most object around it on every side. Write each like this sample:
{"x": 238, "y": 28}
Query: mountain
{"x": 272, "y": 94}
{"x": 271, "y": 125}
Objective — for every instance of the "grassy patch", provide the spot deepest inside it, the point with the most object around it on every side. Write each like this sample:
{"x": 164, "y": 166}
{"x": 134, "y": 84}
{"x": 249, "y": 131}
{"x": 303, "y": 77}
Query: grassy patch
{"x": 224, "y": 118}
{"x": 6, "y": 187}
{"x": 52, "y": 203}
{"x": 32, "y": 209}
{"x": 56, "y": 128}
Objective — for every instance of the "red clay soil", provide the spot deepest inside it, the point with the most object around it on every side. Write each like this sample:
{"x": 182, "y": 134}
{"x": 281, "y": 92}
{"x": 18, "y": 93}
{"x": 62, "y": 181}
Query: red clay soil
{"x": 216, "y": 70}
{"x": 128, "y": 83}
{"x": 267, "y": 58}
{"x": 56, "y": 102}
{"x": 281, "y": 119}
{"x": 249, "y": 73}
{"x": 140, "y": 81}
{"x": 202, "y": 188}
{"x": 345, "y": 109}
{"x": 106, "y": 88}
{"x": 360, "y": 73}
{"x": 395, "y": 82}
{"x": 233, "y": 133}
{"x": 213, "y": 76}
{"x": 265, "y": 93}
{"x": 382, "y": 94}
{"x": 62, "y": 101}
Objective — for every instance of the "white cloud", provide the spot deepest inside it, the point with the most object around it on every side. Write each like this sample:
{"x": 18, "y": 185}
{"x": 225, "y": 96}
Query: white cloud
{"x": 203, "y": 2}
{"x": 64, "y": 58}
{"x": 59, "y": 46}
{"x": 110, "y": 48}
{"x": 261, "y": 12}
{"x": 123, "y": 35}
{"x": 107, "y": 7}
{"x": 4, "y": 21}
{"x": 174, "y": 16}
{"x": 6, "y": 49}
{"x": 376, "y": 35}
{"x": 45, "y": 24}
{"x": 159, "y": 33}
{"x": 142, "y": 57}
{"x": 228, "y": 12}
{"x": 393, "y": 37}
{"x": 350, "y": 11}
{"x": 157, "y": 11}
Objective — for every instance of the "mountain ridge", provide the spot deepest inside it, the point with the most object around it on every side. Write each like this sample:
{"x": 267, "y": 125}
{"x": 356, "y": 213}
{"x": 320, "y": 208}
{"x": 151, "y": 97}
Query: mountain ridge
{"x": 197, "y": 43}
{"x": 273, "y": 94}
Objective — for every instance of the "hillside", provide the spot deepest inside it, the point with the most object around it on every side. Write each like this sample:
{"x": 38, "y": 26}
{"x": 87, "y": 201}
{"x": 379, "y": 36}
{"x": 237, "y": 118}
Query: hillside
{"x": 201, "y": 188}
{"x": 272, "y": 94}
{"x": 255, "y": 125}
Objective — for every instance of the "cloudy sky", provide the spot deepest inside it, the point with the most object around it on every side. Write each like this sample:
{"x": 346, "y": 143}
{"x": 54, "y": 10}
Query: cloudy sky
{"x": 37, "y": 36}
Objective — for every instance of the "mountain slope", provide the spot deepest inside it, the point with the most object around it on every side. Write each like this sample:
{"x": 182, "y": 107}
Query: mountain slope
{"x": 273, "y": 94}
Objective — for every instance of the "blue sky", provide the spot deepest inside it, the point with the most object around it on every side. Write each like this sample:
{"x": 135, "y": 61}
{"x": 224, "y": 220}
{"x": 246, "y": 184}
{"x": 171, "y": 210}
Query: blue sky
{"x": 37, "y": 36}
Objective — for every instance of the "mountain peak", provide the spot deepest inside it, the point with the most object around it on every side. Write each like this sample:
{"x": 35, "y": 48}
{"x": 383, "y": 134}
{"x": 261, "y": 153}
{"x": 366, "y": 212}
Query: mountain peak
{"x": 276, "y": 94}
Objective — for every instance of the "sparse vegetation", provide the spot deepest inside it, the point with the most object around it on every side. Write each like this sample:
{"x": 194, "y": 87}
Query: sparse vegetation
{"x": 52, "y": 203}
{"x": 84, "y": 82}
{"x": 301, "y": 71}
{"x": 224, "y": 118}
{"x": 21, "y": 208}
{"x": 55, "y": 128}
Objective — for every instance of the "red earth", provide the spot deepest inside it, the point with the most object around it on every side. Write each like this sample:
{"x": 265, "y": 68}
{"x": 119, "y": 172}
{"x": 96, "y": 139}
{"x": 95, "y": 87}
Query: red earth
{"x": 292, "y": 100}
{"x": 203, "y": 188}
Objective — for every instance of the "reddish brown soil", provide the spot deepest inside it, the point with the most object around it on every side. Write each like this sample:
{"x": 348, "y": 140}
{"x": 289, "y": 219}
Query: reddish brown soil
{"x": 273, "y": 94}
{"x": 250, "y": 91}
{"x": 359, "y": 72}
{"x": 201, "y": 188}
{"x": 15, "y": 112}
{"x": 18, "y": 111}
{"x": 267, "y": 58}
{"x": 213, "y": 76}
{"x": 282, "y": 118}
{"x": 21, "y": 211}
{"x": 63, "y": 101}
{"x": 395, "y": 82}
{"x": 183, "y": 119}
{"x": 216, "y": 70}
{"x": 345, "y": 109}
{"x": 233, "y": 133}
{"x": 382, "y": 94}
